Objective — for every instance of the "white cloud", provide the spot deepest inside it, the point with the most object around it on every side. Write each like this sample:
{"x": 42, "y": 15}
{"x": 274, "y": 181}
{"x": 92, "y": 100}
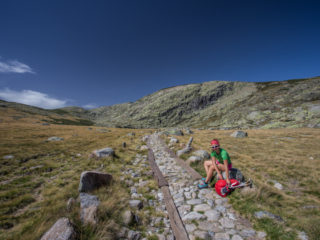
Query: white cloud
{"x": 90, "y": 106}
{"x": 32, "y": 98}
{"x": 14, "y": 67}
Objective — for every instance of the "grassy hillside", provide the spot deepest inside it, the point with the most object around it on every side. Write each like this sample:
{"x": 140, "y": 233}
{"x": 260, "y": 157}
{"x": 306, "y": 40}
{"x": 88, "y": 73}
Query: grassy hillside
{"x": 288, "y": 156}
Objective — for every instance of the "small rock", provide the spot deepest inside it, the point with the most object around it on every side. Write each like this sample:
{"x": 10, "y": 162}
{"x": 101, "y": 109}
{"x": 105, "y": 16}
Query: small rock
{"x": 236, "y": 237}
{"x": 70, "y": 203}
{"x": 50, "y": 139}
{"x": 261, "y": 234}
{"x": 176, "y": 132}
{"x": 183, "y": 151}
{"x": 89, "y": 206}
{"x": 174, "y": 140}
{"x": 144, "y": 147}
{"x": 190, "y": 227}
{"x": 132, "y": 235}
{"x": 136, "y": 204}
{"x": 302, "y": 236}
{"x": 127, "y": 217}
{"x": 265, "y": 214}
{"x": 278, "y": 186}
{"x": 226, "y": 222}
{"x": 194, "y": 201}
{"x": 193, "y": 216}
{"x": 8, "y": 157}
{"x": 62, "y": 230}
{"x": 194, "y": 159}
{"x": 201, "y": 207}
{"x": 202, "y": 153}
{"x": 221, "y": 236}
{"x": 239, "y": 134}
{"x": 132, "y": 134}
{"x": 105, "y": 152}
{"x": 247, "y": 233}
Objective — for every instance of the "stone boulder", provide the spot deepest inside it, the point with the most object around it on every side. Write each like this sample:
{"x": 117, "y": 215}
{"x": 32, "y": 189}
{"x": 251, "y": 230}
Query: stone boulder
{"x": 89, "y": 206}
{"x": 7, "y": 157}
{"x": 132, "y": 134}
{"x": 174, "y": 140}
{"x": 234, "y": 173}
{"x": 105, "y": 152}
{"x": 202, "y": 153}
{"x": 239, "y": 134}
{"x": 91, "y": 180}
{"x": 62, "y": 230}
{"x": 194, "y": 159}
{"x": 54, "y": 139}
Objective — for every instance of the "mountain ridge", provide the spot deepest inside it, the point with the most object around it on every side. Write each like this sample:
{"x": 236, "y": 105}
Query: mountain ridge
{"x": 216, "y": 105}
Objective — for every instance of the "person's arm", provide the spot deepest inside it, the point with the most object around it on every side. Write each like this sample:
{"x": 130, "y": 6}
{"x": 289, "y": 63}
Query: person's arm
{"x": 216, "y": 168}
{"x": 225, "y": 163}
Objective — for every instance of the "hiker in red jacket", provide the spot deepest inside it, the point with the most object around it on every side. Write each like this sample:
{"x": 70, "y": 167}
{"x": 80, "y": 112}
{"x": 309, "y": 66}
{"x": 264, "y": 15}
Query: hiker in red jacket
{"x": 220, "y": 162}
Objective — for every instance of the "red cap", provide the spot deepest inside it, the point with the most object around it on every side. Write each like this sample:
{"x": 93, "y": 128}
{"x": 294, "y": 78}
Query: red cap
{"x": 215, "y": 142}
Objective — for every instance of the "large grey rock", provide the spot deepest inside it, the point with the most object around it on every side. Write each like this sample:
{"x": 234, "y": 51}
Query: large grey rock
{"x": 52, "y": 139}
{"x": 61, "y": 230}
{"x": 202, "y": 153}
{"x": 235, "y": 173}
{"x": 239, "y": 134}
{"x": 88, "y": 208}
{"x": 105, "y": 152}
{"x": 91, "y": 180}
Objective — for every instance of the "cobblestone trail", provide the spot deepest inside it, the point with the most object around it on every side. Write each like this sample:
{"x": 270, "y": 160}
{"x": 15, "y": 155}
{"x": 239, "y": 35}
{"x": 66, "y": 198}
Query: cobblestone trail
{"x": 204, "y": 213}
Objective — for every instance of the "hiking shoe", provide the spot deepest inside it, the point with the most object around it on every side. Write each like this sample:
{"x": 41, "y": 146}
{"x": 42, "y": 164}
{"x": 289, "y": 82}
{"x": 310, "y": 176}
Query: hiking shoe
{"x": 204, "y": 179}
{"x": 203, "y": 185}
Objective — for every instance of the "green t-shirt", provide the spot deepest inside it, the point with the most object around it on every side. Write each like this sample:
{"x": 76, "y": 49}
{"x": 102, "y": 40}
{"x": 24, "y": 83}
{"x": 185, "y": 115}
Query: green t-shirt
{"x": 223, "y": 155}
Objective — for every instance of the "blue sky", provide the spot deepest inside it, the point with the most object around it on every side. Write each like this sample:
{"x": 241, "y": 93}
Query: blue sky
{"x": 98, "y": 53}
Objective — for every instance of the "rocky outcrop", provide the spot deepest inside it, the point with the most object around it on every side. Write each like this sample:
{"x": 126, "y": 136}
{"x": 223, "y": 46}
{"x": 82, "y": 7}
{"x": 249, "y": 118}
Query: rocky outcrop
{"x": 61, "y": 230}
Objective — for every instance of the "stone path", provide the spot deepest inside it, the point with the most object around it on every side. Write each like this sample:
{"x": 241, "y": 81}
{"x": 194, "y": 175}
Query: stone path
{"x": 205, "y": 214}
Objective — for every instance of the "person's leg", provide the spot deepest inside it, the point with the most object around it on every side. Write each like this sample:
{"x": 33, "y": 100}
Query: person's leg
{"x": 207, "y": 165}
{"x": 210, "y": 173}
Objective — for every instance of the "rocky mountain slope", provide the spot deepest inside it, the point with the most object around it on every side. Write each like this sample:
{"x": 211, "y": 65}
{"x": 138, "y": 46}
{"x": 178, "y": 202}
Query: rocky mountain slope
{"x": 216, "y": 104}
{"x": 219, "y": 105}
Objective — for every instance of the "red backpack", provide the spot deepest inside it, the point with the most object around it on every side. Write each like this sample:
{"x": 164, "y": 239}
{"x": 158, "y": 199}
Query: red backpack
{"x": 223, "y": 189}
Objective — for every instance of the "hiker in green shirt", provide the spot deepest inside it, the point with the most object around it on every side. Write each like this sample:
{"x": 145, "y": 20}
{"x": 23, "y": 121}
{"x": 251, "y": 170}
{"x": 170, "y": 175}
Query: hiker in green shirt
{"x": 220, "y": 162}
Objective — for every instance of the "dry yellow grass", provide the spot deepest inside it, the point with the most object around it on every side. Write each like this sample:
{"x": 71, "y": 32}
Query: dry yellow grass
{"x": 288, "y": 156}
{"x": 36, "y": 184}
